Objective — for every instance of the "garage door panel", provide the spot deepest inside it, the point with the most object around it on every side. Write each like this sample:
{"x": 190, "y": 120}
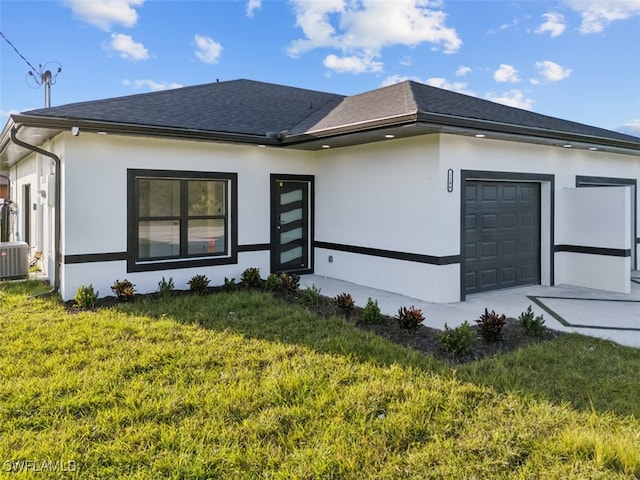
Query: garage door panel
{"x": 489, "y": 251}
{"x": 508, "y": 275}
{"x": 502, "y": 235}
{"x": 509, "y": 194}
{"x": 489, "y": 221}
{"x": 471, "y": 193}
{"x": 508, "y": 248}
{"x": 489, "y": 193}
{"x": 470, "y": 222}
{"x": 508, "y": 220}
{"x": 489, "y": 277}
{"x": 470, "y": 251}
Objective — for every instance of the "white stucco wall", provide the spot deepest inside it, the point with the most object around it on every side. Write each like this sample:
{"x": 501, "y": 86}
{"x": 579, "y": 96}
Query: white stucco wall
{"x": 391, "y": 196}
{"x": 95, "y": 199}
{"x": 600, "y": 217}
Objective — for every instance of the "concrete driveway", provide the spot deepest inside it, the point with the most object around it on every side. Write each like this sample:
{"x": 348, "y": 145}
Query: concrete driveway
{"x": 566, "y": 308}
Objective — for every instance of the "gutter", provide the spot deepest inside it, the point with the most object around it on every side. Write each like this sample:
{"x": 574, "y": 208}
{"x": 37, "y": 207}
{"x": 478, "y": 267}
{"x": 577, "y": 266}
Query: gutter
{"x": 118, "y": 128}
{"x": 57, "y": 222}
{"x": 526, "y": 131}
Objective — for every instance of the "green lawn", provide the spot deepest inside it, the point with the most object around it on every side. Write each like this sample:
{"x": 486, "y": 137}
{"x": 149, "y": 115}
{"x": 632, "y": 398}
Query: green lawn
{"x": 242, "y": 385}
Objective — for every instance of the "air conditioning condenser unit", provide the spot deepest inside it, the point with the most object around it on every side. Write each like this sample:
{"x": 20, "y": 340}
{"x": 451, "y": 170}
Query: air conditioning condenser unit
{"x": 14, "y": 260}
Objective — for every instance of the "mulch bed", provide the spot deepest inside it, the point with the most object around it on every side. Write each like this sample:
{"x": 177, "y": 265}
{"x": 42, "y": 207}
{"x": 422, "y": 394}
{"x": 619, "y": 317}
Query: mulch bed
{"x": 426, "y": 339}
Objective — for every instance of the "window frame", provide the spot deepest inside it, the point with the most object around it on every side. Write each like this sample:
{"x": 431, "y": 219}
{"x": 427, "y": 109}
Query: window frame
{"x": 229, "y": 256}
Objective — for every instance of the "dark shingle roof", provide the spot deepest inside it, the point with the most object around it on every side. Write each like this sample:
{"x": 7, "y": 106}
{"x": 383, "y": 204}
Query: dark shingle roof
{"x": 436, "y": 100}
{"x": 245, "y": 107}
{"x": 415, "y": 99}
{"x": 237, "y": 106}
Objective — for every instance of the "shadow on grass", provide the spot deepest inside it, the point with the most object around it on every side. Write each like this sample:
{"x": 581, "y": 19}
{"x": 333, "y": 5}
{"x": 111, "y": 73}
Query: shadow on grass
{"x": 587, "y": 373}
{"x": 261, "y": 316}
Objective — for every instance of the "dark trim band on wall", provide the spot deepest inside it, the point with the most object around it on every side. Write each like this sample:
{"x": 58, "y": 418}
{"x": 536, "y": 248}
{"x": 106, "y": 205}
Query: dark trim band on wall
{"x": 95, "y": 258}
{"x": 395, "y": 255}
{"x": 255, "y": 247}
{"x": 607, "y": 252}
{"x": 120, "y": 256}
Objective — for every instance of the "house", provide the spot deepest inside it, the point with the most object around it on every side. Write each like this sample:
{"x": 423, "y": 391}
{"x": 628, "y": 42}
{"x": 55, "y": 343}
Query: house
{"x": 407, "y": 188}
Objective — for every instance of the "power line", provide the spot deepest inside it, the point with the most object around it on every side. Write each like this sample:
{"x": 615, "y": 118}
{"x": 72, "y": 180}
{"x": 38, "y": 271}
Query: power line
{"x": 33, "y": 69}
{"x": 40, "y": 76}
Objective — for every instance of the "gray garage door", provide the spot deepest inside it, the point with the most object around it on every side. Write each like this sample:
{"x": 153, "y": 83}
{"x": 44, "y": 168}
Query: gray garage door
{"x": 501, "y": 235}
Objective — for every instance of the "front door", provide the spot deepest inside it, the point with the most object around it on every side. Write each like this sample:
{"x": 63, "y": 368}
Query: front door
{"x": 291, "y": 230}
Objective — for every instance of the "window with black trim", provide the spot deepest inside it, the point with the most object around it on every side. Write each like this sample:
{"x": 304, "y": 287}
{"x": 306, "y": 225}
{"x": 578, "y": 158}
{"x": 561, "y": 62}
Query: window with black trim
{"x": 180, "y": 219}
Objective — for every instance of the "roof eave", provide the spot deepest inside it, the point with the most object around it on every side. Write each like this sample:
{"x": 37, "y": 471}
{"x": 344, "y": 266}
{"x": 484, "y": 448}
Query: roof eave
{"x": 351, "y": 128}
{"x": 524, "y": 131}
{"x": 94, "y": 126}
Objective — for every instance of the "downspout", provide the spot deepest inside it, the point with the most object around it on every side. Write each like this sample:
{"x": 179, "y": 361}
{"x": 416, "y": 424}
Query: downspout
{"x": 57, "y": 220}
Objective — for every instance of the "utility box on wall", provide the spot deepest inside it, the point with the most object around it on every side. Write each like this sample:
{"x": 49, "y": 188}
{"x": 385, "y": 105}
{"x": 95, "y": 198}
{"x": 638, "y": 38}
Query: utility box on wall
{"x": 14, "y": 260}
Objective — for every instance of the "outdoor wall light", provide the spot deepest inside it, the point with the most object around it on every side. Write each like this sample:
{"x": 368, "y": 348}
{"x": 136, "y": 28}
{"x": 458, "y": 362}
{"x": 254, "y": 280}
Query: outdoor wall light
{"x": 75, "y": 131}
{"x": 450, "y": 180}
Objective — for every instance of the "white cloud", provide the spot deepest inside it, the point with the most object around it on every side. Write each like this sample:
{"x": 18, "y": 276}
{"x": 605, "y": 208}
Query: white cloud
{"x": 208, "y": 50}
{"x": 252, "y": 6}
{"x": 152, "y": 85}
{"x": 598, "y": 14}
{"x": 104, "y": 13}
{"x": 506, "y": 73}
{"x": 506, "y": 26}
{"x": 512, "y": 98}
{"x": 554, "y": 25}
{"x": 352, "y": 64}
{"x": 631, "y": 128}
{"x": 363, "y": 28}
{"x": 459, "y": 87}
{"x": 462, "y": 71}
{"x": 393, "y": 79}
{"x": 551, "y": 71}
{"x": 127, "y": 48}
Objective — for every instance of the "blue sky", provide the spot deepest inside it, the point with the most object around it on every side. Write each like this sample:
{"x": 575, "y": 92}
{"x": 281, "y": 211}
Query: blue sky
{"x": 573, "y": 59}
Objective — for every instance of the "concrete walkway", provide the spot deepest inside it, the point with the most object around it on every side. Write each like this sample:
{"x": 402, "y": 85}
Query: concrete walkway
{"x": 566, "y": 308}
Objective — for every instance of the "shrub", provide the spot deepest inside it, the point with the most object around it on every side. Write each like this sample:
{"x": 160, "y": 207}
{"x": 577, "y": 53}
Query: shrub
{"x": 250, "y": 278}
{"x": 124, "y": 290}
{"x": 198, "y": 284}
{"x": 490, "y": 325}
{"x": 86, "y": 297}
{"x": 165, "y": 288}
{"x": 310, "y": 296}
{"x": 371, "y": 312}
{"x": 533, "y": 326}
{"x": 271, "y": 283}
{"x": 344, "y": 302}
{"x": 288, "y": 284}
{"x": 457, "y": 340}
{"x": 229, "y": 284}
{"x": 409, "y": 318}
